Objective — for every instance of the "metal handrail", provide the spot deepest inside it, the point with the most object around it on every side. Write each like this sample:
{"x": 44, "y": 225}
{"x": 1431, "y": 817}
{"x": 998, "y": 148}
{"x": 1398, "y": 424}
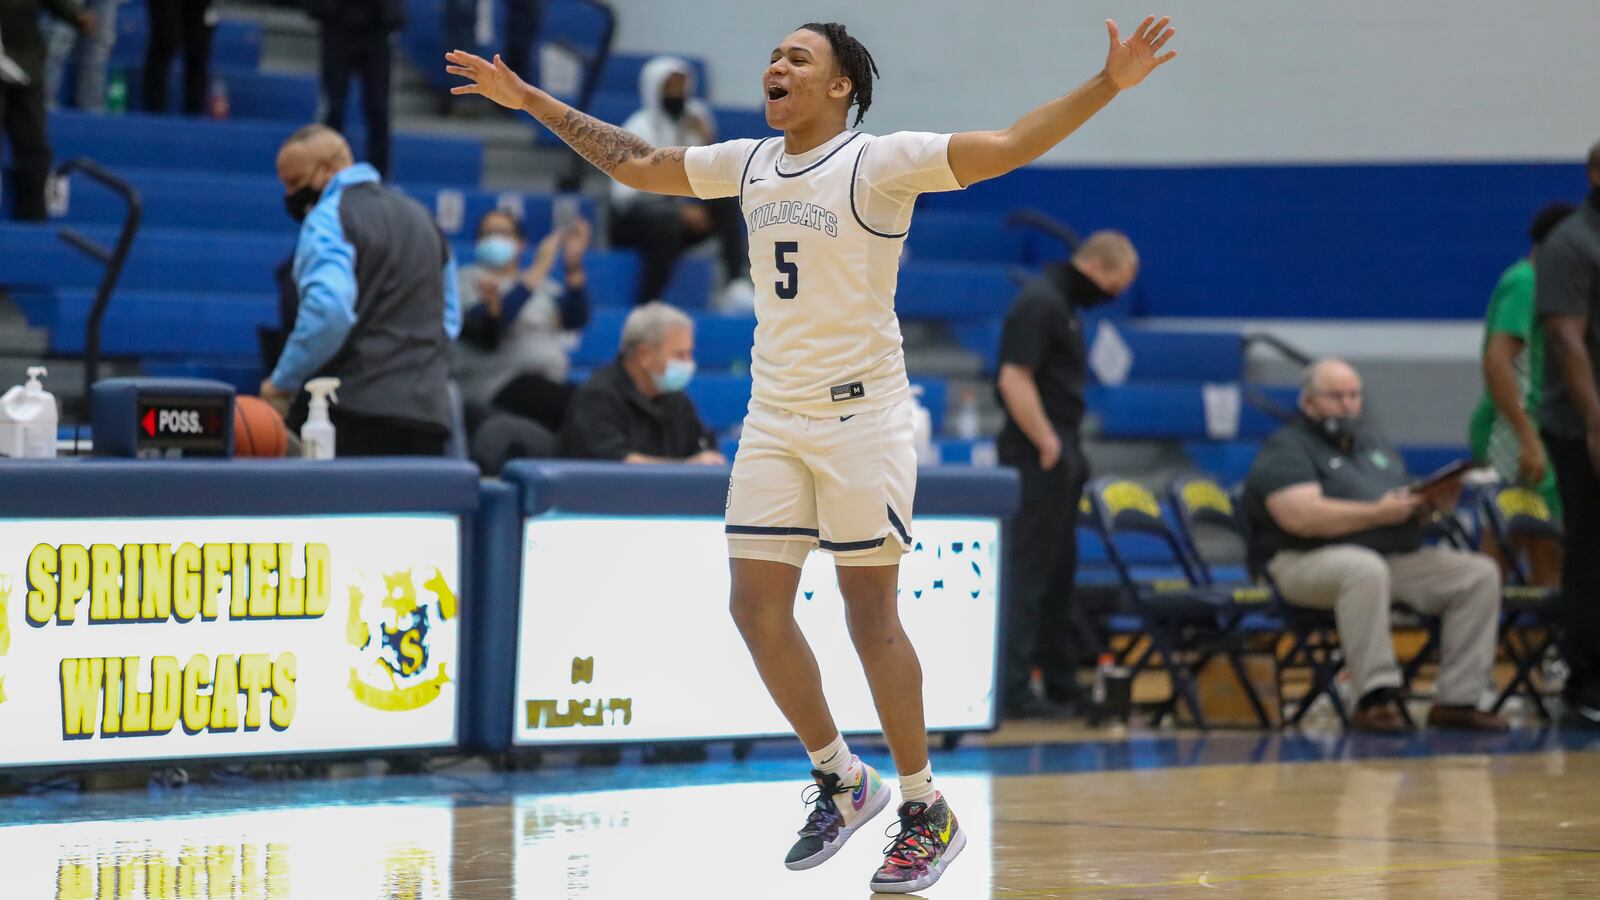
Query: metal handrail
{"x": 1253, "y": 394}
{"x": 113, "y": 259}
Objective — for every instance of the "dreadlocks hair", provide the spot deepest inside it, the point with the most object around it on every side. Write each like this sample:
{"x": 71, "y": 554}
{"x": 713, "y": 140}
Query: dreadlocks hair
{"x": 855, "y": 63}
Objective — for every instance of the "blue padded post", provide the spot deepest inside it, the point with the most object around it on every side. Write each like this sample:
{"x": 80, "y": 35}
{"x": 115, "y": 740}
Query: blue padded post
{"x": 497, "y": 564}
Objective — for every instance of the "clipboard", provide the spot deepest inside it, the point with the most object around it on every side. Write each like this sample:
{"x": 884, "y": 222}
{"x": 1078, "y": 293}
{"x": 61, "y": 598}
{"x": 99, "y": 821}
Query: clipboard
{"x": 1441, "y": 475}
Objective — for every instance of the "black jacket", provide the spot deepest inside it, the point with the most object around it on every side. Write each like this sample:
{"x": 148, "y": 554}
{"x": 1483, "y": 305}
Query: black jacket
{"x": 608, "y": 419}
{"x": 381, "y": 15}
{"x": 19, "y": 31}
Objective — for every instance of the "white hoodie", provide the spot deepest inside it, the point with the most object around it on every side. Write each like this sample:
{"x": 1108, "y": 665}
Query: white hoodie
{"x": 654, "y": 126}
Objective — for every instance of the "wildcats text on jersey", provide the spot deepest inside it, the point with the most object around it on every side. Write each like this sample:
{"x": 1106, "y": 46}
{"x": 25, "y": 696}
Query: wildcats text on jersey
{"x": 796, "y": 212}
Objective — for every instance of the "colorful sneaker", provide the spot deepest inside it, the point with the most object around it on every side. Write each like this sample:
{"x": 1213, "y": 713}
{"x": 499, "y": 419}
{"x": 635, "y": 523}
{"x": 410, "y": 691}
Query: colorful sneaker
{"x": 831, "y": 821}
{"x": 929, "y": 838}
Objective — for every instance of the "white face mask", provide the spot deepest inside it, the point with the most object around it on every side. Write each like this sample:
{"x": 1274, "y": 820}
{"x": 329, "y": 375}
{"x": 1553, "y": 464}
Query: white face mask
{"x": 676, "y": 377}
{"x": 495, "y": 250}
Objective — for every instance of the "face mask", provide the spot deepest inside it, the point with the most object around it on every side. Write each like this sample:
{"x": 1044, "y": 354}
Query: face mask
{"x": 300, "y": 202}
{"x": 674, "y": 106}
{"x": 495, "y": 250}
{"x": 1338, "y": 428}
{"x": 1085, "y": 292}
{"x": 676, "y": 377}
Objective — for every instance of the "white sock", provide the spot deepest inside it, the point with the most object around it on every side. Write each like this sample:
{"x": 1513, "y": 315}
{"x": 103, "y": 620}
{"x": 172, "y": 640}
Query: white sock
{"x": 918, "y": 787}
{"x": 836, "y": 759}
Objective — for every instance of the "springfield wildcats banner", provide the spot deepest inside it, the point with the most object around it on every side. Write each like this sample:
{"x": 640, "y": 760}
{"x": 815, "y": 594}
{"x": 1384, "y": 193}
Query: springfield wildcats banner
{"x": 625, "y": 633}
{"x": 126, "y": 639}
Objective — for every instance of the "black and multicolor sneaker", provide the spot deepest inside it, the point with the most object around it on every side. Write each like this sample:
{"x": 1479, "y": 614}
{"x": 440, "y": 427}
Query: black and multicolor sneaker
{"x": 837, "y": 810}
{"x": 929, "y": 838}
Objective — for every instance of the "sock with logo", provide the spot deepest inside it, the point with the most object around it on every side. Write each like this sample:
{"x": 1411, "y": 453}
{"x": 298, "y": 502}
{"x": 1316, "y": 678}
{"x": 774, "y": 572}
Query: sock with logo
{"x": 836, "y": 759}
{"x": 918, "y": 787}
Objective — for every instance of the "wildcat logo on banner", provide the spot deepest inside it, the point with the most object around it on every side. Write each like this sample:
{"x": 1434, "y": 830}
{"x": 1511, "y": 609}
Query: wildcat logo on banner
{"x": 397, "y": 649}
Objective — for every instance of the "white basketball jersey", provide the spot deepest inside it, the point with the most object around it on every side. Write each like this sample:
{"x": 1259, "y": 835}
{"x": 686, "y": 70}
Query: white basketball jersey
{"x": 827, "y": 342}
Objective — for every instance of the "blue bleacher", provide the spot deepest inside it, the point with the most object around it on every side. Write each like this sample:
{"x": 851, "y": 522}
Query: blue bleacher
{"x": 153, "y": 323}
{"x": 233, "y": 41}
{"x": 621, "y": 74}
{"x": 250, "y": 148}
{"x": 161, "y": 259}
{"x": 964, "y": 237}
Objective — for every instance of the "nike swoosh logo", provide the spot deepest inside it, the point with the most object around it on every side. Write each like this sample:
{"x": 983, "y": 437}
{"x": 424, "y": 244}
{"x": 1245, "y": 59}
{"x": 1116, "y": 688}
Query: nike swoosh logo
{"x": 849, "y": 417}
{"x": 754, "y": 180}
{"x": 858, "y": 797}
{"x": 949, "y": 828}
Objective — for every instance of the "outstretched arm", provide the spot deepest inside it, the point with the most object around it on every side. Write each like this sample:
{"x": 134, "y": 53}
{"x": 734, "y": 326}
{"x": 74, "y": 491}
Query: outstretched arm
{"x": 614, "y": 151}
{"x": 979, "y": 155}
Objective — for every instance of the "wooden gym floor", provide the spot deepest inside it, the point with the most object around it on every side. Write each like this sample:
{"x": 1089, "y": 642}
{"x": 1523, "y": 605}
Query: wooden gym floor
{"x": 1050, "y": 812}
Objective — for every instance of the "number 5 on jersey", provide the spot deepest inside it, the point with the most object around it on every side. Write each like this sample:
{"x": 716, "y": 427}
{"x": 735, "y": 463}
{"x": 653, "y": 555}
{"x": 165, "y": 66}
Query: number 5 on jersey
{"x": 789, "y": 288}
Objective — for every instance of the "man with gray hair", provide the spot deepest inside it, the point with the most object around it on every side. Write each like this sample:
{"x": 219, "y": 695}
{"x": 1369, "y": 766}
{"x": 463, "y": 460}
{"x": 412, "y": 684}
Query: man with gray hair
{"x": 634, "y": 410}
{"x": 1338, "y": 527}
{"x": 1043, "y": 368}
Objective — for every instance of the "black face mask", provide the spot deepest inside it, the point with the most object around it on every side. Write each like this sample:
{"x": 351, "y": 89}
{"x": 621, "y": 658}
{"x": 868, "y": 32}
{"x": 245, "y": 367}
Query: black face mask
{"x": 1083, "y": 291}
{"x": 300, "y": 202}
{"x": 1339, "y": 429}
{"x": 674, "y": 106}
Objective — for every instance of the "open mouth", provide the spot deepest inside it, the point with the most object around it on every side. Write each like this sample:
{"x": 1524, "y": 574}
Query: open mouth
{"x": 775, "y": 93}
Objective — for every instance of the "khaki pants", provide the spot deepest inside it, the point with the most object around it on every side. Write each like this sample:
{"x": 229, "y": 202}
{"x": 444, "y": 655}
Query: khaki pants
{"x": 1359, "y": 584}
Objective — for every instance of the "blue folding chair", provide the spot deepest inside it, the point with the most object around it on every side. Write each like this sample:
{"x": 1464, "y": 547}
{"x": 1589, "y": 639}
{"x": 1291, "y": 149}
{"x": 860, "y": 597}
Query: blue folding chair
{"x": 1188, "y": 620}
{"x": 1530, "y": 615}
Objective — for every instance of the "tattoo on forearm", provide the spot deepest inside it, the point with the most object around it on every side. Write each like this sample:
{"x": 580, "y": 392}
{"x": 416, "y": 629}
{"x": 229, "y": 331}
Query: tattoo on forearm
{"x": 606, "y": 146}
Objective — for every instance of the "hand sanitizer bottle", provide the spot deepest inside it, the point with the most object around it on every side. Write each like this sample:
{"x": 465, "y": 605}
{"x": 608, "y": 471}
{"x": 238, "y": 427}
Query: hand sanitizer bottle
{"x": 316, "y": 435}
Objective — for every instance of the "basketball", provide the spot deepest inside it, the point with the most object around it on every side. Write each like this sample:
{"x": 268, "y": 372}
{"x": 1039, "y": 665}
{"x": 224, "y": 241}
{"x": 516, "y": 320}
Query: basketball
{"x": 258, "y": 430}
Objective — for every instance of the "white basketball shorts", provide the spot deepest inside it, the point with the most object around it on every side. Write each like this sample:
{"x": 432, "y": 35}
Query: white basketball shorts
{"x": 844, "y": 483}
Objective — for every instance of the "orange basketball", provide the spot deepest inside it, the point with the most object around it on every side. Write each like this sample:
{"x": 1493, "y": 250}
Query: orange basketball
{"x": 258, "y": 430}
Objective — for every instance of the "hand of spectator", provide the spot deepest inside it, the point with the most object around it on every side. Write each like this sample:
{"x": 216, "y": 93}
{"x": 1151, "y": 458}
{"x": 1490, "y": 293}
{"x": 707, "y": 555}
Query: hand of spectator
{"x": 86, "y": 22}
{"x": 276, "y": 396}
{"x": 1531, "y": 463}
{"x": 1050, "y": 452}
{"x": 708, "y": 458}
{"x": 493, "y": 80}
{"x": 488, "y": 288}
{"x": 1399, "y": 505}
{"x": 575, "y": 242}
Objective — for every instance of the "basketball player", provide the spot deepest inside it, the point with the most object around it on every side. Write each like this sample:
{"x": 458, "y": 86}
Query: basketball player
{"x": 826, "y": 457}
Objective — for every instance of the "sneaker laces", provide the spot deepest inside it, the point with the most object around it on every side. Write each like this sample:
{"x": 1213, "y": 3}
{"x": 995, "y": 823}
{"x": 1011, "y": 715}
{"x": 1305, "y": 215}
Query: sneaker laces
{"x": 912, "y": 840}
{"x": 823, "y": 809}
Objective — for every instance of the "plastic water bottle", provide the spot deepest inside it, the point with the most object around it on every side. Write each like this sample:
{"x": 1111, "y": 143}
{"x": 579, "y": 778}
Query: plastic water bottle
{"x": 117, "y": 92}
{"x": 28, "y": 419}
{"x": 967, "y": 426}
{"x": 317, "y": 434}
{"x": 1112, "y": 693}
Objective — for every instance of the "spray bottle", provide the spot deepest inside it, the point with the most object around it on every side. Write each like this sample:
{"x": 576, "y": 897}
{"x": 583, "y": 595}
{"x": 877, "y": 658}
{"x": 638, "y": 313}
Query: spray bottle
{"x": 316, "y": 435}
{"x": 28, "y": 419}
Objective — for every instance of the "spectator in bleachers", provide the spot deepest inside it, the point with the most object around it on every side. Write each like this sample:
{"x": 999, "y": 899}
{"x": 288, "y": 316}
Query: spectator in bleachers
{"x": 662, "y": 228}
{"x": 1043, "y": 368}
{"x": 519, "y": 323}
{"x": 1339, "y": 528}
{"x": 1501, "y": 433}
{"x": 378, "y": 304}
{"x": 22, "y": 106}
{"x": 1567, "y": 294}
{"x": 175, "y": 23}
{"x": 64, "y": 42}
{"x": 356, "y": 39}
{"x": 634, "y": 410}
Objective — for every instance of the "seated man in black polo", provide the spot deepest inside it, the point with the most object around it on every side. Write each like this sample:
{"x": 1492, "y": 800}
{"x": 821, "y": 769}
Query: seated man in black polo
{"x": 1340, "y": 530}
{"x": 634, "y": 410}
